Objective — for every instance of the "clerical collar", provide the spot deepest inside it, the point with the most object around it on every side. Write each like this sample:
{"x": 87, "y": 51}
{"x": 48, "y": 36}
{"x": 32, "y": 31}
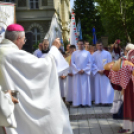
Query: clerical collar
{"x": 45, "y": 51}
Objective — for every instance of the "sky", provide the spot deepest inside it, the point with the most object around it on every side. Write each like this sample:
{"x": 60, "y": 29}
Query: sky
{"x": 71, "y": 3}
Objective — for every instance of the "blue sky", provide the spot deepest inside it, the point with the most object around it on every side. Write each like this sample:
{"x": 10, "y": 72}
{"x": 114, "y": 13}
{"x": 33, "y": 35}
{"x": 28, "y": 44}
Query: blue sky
{"x": 71, "y": 3}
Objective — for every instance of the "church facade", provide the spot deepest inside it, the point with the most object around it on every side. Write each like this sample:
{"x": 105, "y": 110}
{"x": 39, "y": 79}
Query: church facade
{"x": 36, "y": 16}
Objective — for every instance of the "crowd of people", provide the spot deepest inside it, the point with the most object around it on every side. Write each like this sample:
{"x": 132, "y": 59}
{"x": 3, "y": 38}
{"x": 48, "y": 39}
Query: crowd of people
{"x": 87, "y": 82}
{"x": 82, "y": 75}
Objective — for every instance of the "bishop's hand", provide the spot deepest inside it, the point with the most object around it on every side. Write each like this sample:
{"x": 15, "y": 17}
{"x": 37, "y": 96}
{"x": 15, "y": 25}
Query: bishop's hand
{"x": 57, "y": 43}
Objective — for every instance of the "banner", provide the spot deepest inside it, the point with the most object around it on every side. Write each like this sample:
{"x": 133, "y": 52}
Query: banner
{"x": 54, "y": 32}
{"x": 73, "y": 31}
{"x": 79, "y": 30}
{"x": 6, "y": 17}
{"x": 94, "y": 36}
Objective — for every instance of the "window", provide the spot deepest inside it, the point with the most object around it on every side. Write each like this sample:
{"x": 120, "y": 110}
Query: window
{"x": 34, "y": 4}
{"x": 22, "y": 3}
{"x": 36, "y": 35}
{"x": 44, "y": 2}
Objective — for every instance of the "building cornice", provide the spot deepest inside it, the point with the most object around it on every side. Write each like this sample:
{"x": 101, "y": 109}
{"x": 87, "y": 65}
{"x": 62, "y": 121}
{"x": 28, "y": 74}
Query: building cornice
{"x": 40, "y": 9}
{"x": 34, "y": 19}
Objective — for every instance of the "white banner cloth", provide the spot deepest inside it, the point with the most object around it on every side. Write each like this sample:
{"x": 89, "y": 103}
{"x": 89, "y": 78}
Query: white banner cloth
{"x": 6, "y": 17}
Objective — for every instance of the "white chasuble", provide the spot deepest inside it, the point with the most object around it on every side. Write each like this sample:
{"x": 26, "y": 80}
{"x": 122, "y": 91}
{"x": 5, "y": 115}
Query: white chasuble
{"x": 104, "y": 92}
{"x": 58, "y": 60}
{"x": 40, "y": 109}
{"x": 81, "y": 60}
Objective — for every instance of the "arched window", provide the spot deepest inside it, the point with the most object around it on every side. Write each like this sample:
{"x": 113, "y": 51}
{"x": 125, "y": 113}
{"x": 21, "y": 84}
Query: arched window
{"x": 34, "y": 4}
{"x": 36, "y": 35}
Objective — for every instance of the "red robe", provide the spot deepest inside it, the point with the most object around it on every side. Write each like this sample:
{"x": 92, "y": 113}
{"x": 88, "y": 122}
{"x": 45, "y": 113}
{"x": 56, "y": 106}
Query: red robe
{"x": 128, "y": 122}
{"x": 126, "y": 83}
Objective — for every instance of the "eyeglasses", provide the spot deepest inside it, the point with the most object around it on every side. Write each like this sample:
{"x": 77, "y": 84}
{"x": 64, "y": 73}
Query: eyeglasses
{"x": 24, "y": 39}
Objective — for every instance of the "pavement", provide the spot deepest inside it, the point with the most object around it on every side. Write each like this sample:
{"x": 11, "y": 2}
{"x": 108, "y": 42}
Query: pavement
{"x": 93, "y": 120}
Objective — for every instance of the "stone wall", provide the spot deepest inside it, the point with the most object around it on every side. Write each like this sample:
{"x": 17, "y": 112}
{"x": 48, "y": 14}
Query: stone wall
{"x": 42, "y": 17}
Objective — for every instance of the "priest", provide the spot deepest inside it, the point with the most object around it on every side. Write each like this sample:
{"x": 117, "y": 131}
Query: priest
{"x": 45, "y": 49}
{"x": 40, "y": 109}
{"x": 104, "y": 92}
{"x": 81, "y": 63}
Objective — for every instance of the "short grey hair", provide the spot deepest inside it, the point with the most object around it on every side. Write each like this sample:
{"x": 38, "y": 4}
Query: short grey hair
{"x": 129, "y": 46}
{"x": 13, "y": 35}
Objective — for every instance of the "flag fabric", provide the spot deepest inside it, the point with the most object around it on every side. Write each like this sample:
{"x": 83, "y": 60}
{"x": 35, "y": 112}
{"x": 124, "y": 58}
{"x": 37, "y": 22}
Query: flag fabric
{"x": 94, "y": 36}
{"x": 79, "y": 30}
{"x": 6, "y": 17}
{"x": 54, "y": 32}
{"x": 73, "y": 31}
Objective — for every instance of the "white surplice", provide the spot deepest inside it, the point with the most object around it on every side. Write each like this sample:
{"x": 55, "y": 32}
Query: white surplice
{"x": 81, "y": 60}
{"x": 63, "y": 85}
{"x": 92, "y": 84}
{"x": 40, "y": 109}
{"x": 104, "y": 92}
{"x": 59, "y": 59}
{"x": 70, "y": 86}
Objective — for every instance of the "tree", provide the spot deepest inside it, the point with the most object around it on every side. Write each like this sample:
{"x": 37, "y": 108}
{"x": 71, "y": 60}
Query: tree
{"x": 85, "y": 11}
{"x": 117, "y": 17}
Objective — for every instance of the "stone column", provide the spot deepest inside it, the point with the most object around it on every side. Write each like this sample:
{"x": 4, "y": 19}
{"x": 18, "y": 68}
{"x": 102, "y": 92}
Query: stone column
{"x": 65, "y": 19}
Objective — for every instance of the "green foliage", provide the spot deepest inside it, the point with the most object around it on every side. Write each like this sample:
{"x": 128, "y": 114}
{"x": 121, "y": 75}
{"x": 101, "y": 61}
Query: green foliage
{"x": 112, "y": 18}
{"x": 35, "y": 46}
{"x": 117, "y": 17}
{"x": 85, "y": 11}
